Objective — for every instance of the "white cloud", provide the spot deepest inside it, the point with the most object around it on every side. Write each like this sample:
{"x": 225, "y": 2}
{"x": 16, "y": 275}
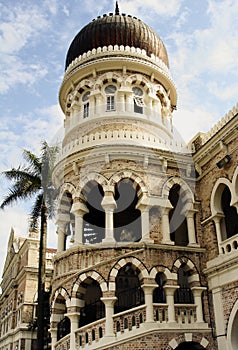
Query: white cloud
{"x": 19, "y": 28}
{"x": 146, "y": 8}
{"x": 189, "y": 121}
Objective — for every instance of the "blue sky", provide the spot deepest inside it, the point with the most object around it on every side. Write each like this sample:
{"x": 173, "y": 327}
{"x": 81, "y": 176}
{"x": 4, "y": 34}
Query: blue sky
{"x": 201, "y": 39}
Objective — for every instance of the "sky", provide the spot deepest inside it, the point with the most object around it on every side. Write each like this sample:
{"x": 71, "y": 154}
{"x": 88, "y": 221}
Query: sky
{"x": 201, "y": 38}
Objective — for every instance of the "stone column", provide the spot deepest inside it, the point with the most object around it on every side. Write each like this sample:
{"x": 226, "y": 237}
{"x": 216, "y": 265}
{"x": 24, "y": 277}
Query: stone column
{"x": 62, "y": 221}
{"x": 191, "y": 229}
{"x": 169, "y": 291}
{"x": 148, "y": 292}
{"x": 74, "y": 325}
{"x": 109, "y": 311}
{"x": 217, "y": 222}
{"x": 53, "y": 332}
{"x": 109, "y": 205}
{"x": 165, "y": 226}
{"x": 197, "y": 294}
{"x": 145, "y": 222}
{"x": 79, "y": 209}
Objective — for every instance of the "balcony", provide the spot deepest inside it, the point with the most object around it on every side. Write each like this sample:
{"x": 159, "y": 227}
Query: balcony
{"x": 129, "y": 323}
{"x": 230, "y": 245}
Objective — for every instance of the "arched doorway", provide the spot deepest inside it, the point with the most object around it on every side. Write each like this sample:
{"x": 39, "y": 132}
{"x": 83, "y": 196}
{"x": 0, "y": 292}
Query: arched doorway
{"x": 127, "y": 219}
{"x": 128, "y": 289}
{"x": 190, "y": 345}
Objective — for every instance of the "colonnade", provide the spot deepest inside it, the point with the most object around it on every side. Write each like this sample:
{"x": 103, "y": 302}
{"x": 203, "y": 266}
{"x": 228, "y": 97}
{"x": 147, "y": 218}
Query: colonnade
{"x": 79, "y": 209}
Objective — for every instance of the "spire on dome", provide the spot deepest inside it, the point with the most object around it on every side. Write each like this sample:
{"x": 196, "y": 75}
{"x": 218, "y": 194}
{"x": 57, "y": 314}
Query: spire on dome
{"x": 117, "y": 12}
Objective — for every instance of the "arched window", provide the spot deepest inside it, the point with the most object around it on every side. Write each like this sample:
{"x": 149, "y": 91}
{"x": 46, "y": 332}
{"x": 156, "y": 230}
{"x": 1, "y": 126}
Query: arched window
{"x": 183, "y": 295}
{"x": 85, "y": 101}
{"x": 230, "y": 221}
{"x": 127, "y": 219}
{"x": 110, "y": 91}
{"x": 177, "y": 220}
{"x": 138, "y": 99}
{"x": 128, "y": 289}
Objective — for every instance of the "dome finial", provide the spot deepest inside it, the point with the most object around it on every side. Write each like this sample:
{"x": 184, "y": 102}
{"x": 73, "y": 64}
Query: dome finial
{"x": 117, "y": 12}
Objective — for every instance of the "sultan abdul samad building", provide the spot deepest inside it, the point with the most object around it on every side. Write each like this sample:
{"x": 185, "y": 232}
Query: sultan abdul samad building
{"x": 147, "y": 225}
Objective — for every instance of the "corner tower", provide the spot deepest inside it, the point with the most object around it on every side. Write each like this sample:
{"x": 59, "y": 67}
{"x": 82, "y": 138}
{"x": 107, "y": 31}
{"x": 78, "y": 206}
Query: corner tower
{"x": 129, "y": 254}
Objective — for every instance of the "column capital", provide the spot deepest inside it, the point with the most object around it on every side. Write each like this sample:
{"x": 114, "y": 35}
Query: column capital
{"x": 108, "y": 201}
{"x": 170, "y": 289}
{"x": 79, "y": 208}
{"x": 149, "y": 286}
{"x": 109, "y": 301}
{"x": 197, "y": 290}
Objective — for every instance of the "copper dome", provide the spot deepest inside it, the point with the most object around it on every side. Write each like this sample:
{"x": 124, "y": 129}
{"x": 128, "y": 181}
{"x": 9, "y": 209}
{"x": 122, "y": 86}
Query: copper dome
{"x": 116, "y": 29}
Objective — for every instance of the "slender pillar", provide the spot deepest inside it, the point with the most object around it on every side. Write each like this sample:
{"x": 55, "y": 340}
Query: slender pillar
{"x": 109, "y": 205}
{"x": 191, "y": 228}
{"x": 109, "y": 311}
{"x": 169, "y": 291}
{"x": 79, "y": 209}
{"x": 165, "y": 226}
{"x": 217, "y": 221}
{"x": 74, "y": 325}
{"x": 148, "y": 292}
{"x": 197, "y": 294}
{"x": 61, "y": 231}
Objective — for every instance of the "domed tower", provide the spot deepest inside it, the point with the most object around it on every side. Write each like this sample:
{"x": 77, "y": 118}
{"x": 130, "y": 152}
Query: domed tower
{"x": 127, "y": 268}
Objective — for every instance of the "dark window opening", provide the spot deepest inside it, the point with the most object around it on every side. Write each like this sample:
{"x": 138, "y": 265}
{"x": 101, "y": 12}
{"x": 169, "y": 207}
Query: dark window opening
{"x": 94, "y": 220}
{"x": 93, "y": 309}
{"x": 128, "y": 290}
{"x": 183, "y": 295}
{"x": 63, "y": 328}
{"x": 127, "y": 219}
{"x": 159, "y": 295}
{"x": 231, "y": 216}
{"x": 177, "y": 220}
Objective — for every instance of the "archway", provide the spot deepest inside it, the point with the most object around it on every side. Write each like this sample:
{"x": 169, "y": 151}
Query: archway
{"x": 127, "y": 219}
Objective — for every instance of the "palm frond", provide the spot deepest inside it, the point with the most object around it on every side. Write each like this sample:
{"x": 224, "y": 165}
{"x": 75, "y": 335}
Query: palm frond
{"x": 34, "y": 162}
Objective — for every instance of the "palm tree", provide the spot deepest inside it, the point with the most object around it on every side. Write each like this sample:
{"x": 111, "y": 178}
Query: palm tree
{"x": 34, "y": 180}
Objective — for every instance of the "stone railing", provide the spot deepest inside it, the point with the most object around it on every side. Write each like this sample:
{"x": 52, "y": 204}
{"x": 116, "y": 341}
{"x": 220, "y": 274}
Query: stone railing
{"x": 126, "y": 323}
{"x": 90, "y": 333}
{"x": 229, "y": 245}
{"x": 63, "y": 344}
{"x": 161, "y": 313}
{"x": 185, "y": 313}
{"x": 129, "y": 319}
{"x": 116, "y": 50}
{"x": 133, "y": 137}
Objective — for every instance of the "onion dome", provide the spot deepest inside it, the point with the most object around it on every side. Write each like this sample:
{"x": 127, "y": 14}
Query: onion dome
{"x": 117, "y": 29}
